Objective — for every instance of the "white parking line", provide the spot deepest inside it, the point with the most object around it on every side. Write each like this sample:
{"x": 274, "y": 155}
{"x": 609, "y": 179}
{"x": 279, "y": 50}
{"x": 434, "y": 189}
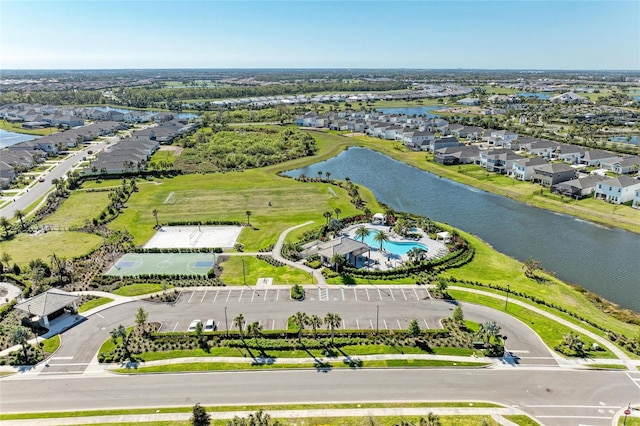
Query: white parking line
{"x": 216, "y": 296}
{"x": 416, "y": 293}
{"x": 241, "y": 292}
{"x": 368, "y": 298}
{"x": 228, "y": 295}
{"x": 176, "y": 326}
{"x": 405, "y": 296}
{"x": 265, "y": 294}
{"x": 357, "y": 324}
{"x": 355, "y": 294}
{"x": 253, "y": 293}
{"x": 391, "y": 293}
{"x": 342, "y": 290}
{"x": 344, "y": 327}
{"x": 273, "y": 324}
{"x": 426, "y": 324}
{"x": 192, "y": 293}
{"x": 277, "y": 294}
{"x": 160, "y": 328}
{"x": 385, "y": 323}
{"x": 203, "y": 296}
{"x": 428, "y": 294}
{"x": 371, "y": 322}
{"x": 379, "y": 294}
{"x": 399, "y": 325}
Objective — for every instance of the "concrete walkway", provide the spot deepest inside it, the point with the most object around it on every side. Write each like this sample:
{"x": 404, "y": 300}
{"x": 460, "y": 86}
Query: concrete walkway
{"x": 277, "y": 249}
{"x": 281, "y": 414}
{"x": 9, "y": 292}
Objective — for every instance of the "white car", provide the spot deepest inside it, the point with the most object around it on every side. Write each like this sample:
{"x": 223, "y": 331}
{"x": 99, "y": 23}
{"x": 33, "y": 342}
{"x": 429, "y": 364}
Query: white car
{"x": 193, "y": 325}
{"x": 210, "y": 325}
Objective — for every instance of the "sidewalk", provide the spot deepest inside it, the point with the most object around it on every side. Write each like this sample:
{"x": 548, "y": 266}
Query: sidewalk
{"x": 279, "y": 414}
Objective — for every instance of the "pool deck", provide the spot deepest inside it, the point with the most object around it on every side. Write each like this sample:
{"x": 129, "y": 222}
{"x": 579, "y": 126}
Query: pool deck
{"x": 383, "y": 260}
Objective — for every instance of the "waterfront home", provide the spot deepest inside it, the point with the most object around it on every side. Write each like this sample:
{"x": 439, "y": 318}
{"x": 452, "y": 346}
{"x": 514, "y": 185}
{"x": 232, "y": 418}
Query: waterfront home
{"x": 594, "y": 157}
{"x": 578, "y": 188}
{"x": 523, "y": 169}
{"x": 7, "y": 174}
{"x": 551, "y": 174}
{"x": 619, "y": 190}
{"x": 444, "y": 142}
{"x": 568, "y": 98}
{"x": 462, "y": 154}
{"x": 417, "y": 140}
{"x": 37, "y": 144}
{"x": 636, "y": 200}
{"x": 469, "y": 101}
{"x": 502, "y": 161}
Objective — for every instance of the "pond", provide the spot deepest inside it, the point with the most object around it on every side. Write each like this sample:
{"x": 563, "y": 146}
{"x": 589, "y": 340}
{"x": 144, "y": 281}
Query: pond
{"x": 534, "y": 95}
{"x": 602, "y": 260}
{"x": 181, "y": 115}
{"x": 11, "y": 138}
{"x": 411, "y": 111}
{"x": 633, "y": 140}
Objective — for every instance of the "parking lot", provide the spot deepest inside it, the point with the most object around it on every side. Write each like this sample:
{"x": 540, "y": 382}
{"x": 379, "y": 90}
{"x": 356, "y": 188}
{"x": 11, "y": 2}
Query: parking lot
{"x": 360, "y": 308}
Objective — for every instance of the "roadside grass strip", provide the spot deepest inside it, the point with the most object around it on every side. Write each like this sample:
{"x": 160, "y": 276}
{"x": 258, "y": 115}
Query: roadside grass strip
{"x": 52, "y": 344}
{"x": 225, "y": 408}
{"x": 608, "y": 366}
{"x": 522, "y": 420}
{"x": 94, "y": 303}
{"x": 138, "y": 289}
{"x": 551, "y": 332}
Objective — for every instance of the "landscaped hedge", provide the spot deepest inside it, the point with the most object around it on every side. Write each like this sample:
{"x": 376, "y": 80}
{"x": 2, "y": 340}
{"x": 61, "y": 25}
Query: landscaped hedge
{"x": 175, "y": 250}
{"x": 206, "y": 222}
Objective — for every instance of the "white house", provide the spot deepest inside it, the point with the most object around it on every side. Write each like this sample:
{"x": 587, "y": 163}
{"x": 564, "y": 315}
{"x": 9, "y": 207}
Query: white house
{"x": 523, "y": 169}
{"x": 594, "y": 157}
{"x": 617, "y": 190}
{"x": 636, "y": 200}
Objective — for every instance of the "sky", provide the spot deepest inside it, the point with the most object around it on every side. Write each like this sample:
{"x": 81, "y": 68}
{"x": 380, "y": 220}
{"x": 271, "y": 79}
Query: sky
{"x": 547, "y": 34}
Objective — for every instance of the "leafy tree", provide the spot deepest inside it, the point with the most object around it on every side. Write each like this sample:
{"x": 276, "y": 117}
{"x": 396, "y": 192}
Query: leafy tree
{"x": 315, "y": 322}
{"x": 574, "y": 343}
{"x": 300, "y": 319}
{"x": 431, "y": 420}
{"x": 530, "y": 267}
{"x": 5, "y": 258}
{"x": 5, "y": 225}
{"x": 489, "y": 331}
{"x": 141, "y": 317}
{"x": 458, "y": 315}
{"x": 414, "y": 328}
{"x": 334, "y": 226}
{"x": 338, "y": 211}
{"x": 332, "y": 321}
{"x": 381, "y": 237}
{"x": 200, "y": 416}
{"x": 362, "y": 232}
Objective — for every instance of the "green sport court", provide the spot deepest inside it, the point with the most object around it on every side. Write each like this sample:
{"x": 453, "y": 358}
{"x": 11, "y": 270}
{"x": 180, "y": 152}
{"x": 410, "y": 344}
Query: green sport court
{"x": 163, "y": 263}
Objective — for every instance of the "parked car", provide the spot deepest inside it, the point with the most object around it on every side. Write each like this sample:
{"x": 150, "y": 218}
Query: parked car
{"x": 193, "y": 325}
{"x": 210, "y": 325}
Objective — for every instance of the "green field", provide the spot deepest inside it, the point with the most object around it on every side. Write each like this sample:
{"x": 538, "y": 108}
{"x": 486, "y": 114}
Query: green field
{"x": 25, "y": 247}
{"x": 255, "y": 268}
{"x": 78, "y": 210}
{"x": 94, "y": 303}
{"x": 17, "y": 128}
{"x": 138, "y": 289}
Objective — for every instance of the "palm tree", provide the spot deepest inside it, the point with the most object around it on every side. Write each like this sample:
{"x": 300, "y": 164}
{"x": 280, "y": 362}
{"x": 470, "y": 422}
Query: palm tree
{"x": 319, "y": 174}
{"x": 338, "y": 211}
{"x": 5, "y": 225}
{"x": 254, "y": 330}
{"x": 120, "y": 332}
{"x": 489, "y": 330}
{"x": 239, "y": 322}
{"x": 315, "y": 322}
{"x": 327, "y": 215}
{"x": 5, "y": 259}
{"x": 332, "y": 321}
{"x": 381, "y": 237}
{"x": 431, "y": 420}
{"x": 300, "y": 319}
{"x": 19, "y": 214}
{"x": 328, "y": 174}
{"x": 339, "y": 261}
{"x": 155, "y": 214}
{"x": 362, "y": 232}
{"x": 248, "y": 213}
{"x": 20, "y": 336}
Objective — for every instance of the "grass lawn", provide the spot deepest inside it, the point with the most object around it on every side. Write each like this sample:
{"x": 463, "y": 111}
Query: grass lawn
{"x": 630, "y": 421}
{"x": 522, "y": 420}
{"x": 52, "y": 344}
{"x": 256, "y": 268}
{"x": 549, "y": 331}
{"x": 94, "y": 303}
{"x": 17, "y": 128}
{"x": 25, "y": 247}
{"x": 79, "y": 208}
{"x": 608, "y": 366}
{"x": 138, "y": 289}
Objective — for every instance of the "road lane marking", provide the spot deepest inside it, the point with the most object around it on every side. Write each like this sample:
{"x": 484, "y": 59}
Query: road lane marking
{"x": 357, "y": 324}
{"x": 265, "y": 294}
{"x": 160, "y": 328}
{"x": 175, "y": 326}
{"x": 277, "y": 294}
{"x": 519, "y": 351}
{"x": 385, "y": 323}
{"x": 253, "y": 293}
{"x": 203, "y": 296}
{"x": 403, "y": 294}
{"x": 379, "y": 294}
{"x": 342, "y": 290}
{"x": 273, "y": 324}
{"x": 428, "y": 294}
{"x": 61, "y": 357}
{"x": 573, "y": 417}
{"x": 368, "y": 298}
{"x": 371, "y": 322}
{"x": 192, "y": 293}
{"x": 99, "y": 315}
{"x": 216, "y": 296}
{"x": 399, "y": 326}
{"x": 355, "y": 294}
{"x": 572, "y": 406}
{"x": 343, "y": 326}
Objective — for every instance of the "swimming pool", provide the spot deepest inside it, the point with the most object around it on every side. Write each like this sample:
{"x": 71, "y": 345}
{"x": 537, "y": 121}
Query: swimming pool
{"x": 396, "y": 247}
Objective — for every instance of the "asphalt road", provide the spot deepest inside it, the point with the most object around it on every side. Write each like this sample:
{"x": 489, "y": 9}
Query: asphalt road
{"x": 555, "y": 397}
{"x": 272, "y": 308}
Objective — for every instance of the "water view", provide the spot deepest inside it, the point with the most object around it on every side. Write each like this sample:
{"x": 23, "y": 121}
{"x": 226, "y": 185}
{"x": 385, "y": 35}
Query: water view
{"x": 181, "y": 115}
{"x": 11, "y": 138}
{"x": 534, "y": 95}
{"x": 411, "y": 111}
{"x": 634, "y": 140}
{"x": 599, "y": 259}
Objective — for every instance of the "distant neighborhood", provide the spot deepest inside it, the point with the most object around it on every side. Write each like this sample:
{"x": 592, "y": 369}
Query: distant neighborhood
{"x": 128, "y": 154}
{"x": 569, "y": 170}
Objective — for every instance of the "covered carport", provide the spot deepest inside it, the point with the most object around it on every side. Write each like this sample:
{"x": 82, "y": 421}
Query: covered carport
{"x": 48, "y": 305}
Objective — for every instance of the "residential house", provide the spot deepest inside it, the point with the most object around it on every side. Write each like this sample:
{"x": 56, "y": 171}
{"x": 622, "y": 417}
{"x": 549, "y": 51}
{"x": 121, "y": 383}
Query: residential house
{"x": 594, "y": 157}
{"x": 470, "y": 132}
{"x": 543, "y": 148}
{"x": 568, "y": 153}
{"x": 636, "y": 200}
{"x": 578, "y": 188}
{"x": 524, "y": 169}
{"x": 436, "y": 144}
{"x": 461, "y": 154}
{"x": 502, "y": 162}
{"x": 553, "y": 173}
{"x": 569, "y": 98}
{"x": 469, "y": 101}
{"x": 417, "y": 140}
{"x": 625, "y": 165}
{"x": 619, "y": 190}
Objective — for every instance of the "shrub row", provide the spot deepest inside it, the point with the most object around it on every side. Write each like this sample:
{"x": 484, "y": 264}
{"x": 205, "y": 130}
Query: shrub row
{"x": 270, "y": 260}
{"x": 175, "y": 250}
{"x": 206, "y": 222}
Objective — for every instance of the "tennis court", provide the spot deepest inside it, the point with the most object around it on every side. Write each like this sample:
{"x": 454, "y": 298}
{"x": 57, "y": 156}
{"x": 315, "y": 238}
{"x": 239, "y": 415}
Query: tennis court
{"x": 163, "y": 263}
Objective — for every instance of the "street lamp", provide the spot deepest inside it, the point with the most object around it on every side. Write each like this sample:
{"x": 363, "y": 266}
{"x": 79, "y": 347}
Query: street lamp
{"x": 244, "y": 277}
{"x": 226, "y": 323}
{"x": 506, "y": 301}
{"x": 377, "y": 317}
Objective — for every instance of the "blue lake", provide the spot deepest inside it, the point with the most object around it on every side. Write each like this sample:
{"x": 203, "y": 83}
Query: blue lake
{"x": 634, "y": 140}
{"x": 534, "y": 95}
{"x": 411, "y": 111}
{"x": 181, "y": 115}
{"x": 600, "y": 259}
{"x": 11, "y": 138}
